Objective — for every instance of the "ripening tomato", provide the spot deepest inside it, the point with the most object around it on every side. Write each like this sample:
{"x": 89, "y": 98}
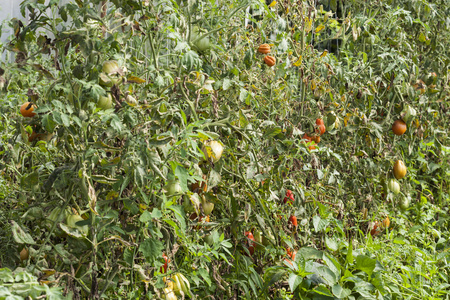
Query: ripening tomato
{"x": 399, "y": 127}
{"x": 321, "y": 126}
{"x": 399, "y": 169}
{"x": 27, "y": 110}
{"x": 289, "y": 197}
{"x": 374, "y": 230}
{"x": 386, "y": 222}
{"x": 24, "y": 254}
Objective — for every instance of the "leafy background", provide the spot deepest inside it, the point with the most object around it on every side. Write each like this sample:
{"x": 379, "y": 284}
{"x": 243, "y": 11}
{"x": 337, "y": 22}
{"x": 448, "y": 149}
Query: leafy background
{"x": 194, "y": 72}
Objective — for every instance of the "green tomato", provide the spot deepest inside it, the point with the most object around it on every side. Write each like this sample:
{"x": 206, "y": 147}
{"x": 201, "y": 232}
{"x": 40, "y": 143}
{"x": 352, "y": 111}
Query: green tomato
{"x": 173, "y": 187}
{"x": 105, "y": 102}
{"x": 394, "y": 186}
{"x": 71, "y": 221}
{"x": 110, "y": 66}
{"x": 202, "y": 44}
{"x": 404, "y": 203}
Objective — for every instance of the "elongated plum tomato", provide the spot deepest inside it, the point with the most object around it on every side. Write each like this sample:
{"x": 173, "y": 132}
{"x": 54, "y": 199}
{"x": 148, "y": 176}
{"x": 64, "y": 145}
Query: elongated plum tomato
{"x": 163, "y": 269}
{"x": 24, "y": 254}
{"x": 404, "y": 203}
{"x": 270, "y": 60}
{"x": 169, "y": 294}
{"x": 181, "y": 285}
{"x": 321, "y": 125}
{"x": 394, "y": 186}
{"x": 251, "y": 247}
{"x": 264, "y": 49}
{"x": 399, "y": 127}
{"x": 293, "y": 220}
{"x": 27, "y": 110}
{"x": 399, "y": 169}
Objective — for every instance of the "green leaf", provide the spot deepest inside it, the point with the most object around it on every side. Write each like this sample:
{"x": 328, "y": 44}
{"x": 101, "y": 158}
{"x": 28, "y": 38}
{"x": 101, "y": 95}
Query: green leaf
{"x": 273, "y": 275}
{"x": 6, "y": 275}
{"x": 319, "y": 223}
{"x": 271, "y": 132}
{"x": 145, "y": 217}
{"x": 322, "y": 290}
{"x": 151, "y": 249}
{"x": 340, "y": 292}
{"x": 331, "y": 243}
{"x": 243, "y": 122}
{"x": 179, "y": 215}
{"x": 20, "y": 236}
{"x": 48, "y": 123}
{"x": 349, "y": 256}
{"x": 365, "y": 264}
{"x": 310, "y": 253}
{"x": 294, "y": 281}
{"x": 73, "y": 232}
{"x": 182, "y": 175}
{"x": 327, "y": 274}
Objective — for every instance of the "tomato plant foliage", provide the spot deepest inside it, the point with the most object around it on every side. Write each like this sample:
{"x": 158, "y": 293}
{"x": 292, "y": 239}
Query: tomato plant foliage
{"x": 176, "y": 160}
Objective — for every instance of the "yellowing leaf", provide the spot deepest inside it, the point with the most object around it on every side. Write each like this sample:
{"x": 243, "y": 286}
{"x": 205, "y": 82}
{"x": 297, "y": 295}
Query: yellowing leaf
{"x": 320, "y": 28}
{"x": 308, "y": 24}
{"x": 273, "y": 4}
{"x": 313, "y": 85}
{"x": 135, "y": 79}
{"x": 298, "y": 63}
{"x": 324, "y": 53}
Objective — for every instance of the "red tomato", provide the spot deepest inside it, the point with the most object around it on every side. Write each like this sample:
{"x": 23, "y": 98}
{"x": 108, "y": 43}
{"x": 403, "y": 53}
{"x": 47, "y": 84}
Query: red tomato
{"x": 251, "y": 247}
{"x": 289, "y": 198}
{"x": 293, "y": 220}
{"x": 163, "y": 269}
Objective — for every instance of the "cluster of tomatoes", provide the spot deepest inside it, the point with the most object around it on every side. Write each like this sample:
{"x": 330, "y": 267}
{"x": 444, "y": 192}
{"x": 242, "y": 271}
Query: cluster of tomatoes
{"x": 268, "y": 60}
{"x": 176, "y": 285}
{"x": 320, "y": 130}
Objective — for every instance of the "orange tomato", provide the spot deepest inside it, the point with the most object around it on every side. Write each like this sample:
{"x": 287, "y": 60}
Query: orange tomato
{"x": 270, "y": 60}
{"x": 27, "y": 110}
{"x": 264, "y": 49}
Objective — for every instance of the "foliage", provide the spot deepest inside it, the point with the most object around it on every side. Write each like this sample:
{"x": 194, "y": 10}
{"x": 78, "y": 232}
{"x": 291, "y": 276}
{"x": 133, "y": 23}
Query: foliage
{"x": 117, "y": 168}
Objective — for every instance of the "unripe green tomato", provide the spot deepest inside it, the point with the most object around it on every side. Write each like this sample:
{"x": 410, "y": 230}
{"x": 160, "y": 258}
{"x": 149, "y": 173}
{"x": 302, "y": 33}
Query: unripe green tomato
{"x": 104, "y": 80}
{"x": 71, "y": 221}
{"x": 394, "y": 186}
{"x": 209, "y": 239}
{"x": 404, "y": 203}
{"x": 181, "y": 285}
{"x": 131, "y": 100}
{"x": 258, "y": 236}
{"x": 208, "y": 207}
{"x": 213, "y": 150}
{"x": 202, "y": 44}
{"x": 173, "y": 187}
{"x": 110, "y": 66}
{"x": 105, "y": 102}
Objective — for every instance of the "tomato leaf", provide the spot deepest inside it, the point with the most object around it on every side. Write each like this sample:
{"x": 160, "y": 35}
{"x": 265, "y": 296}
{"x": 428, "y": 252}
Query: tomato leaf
{"x": 151, "y": 249}
{"x": 20, "y": 236}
